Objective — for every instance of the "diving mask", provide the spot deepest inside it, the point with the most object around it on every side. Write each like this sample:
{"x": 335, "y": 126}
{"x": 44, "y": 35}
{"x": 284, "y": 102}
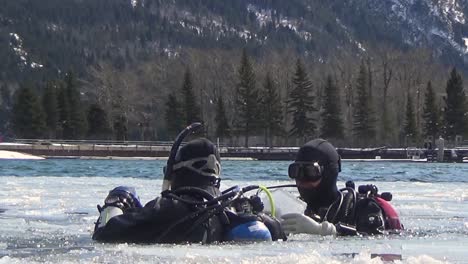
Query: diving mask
{"x": 305, "y": 170}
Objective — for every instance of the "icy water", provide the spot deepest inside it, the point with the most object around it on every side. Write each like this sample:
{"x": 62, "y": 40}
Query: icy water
{"x": 48, "y": 207}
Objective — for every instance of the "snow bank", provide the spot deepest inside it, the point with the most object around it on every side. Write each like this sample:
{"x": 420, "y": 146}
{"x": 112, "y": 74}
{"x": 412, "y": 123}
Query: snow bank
{"x": 16, "y": 155}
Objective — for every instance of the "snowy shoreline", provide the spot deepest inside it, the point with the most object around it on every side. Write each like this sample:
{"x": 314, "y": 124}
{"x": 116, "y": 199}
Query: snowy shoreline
{"x": 4, "y": 154}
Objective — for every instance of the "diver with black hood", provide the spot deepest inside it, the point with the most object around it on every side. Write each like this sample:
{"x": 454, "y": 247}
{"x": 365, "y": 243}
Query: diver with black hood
{"x": 191, "y": 207}
{"x": 331, "y": 211}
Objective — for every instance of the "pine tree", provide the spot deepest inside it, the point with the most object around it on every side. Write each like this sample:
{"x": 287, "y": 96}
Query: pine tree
{"x": 28, "y": 115}
{"x": 222, "y": 124}
{"x": 247, "y": 99}
{"x": 98, "y": 123}
{"x": 50, "y": 106}
{"x": 121, "y": 127}
{"x": 363, "y": 122}
{"x": 5, "y": 109}
{"x": 78, "y": 123}
{"x": 455, "y": 106}
{"x": 174, "y": 116}
{"x": 190, "y": 108}
{"x": 332, "y": 124}
{"x": 64, "y": 129}
{"x": 5, "y": 96}
{"x": 431, "y": 114}
{"x": 271, "y": 109}
{"x": 410, "y": 122}
{"x": 301, "y": 104}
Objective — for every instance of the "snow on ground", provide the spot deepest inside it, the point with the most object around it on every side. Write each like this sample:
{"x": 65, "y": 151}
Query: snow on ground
{"x": 16, "y": 155}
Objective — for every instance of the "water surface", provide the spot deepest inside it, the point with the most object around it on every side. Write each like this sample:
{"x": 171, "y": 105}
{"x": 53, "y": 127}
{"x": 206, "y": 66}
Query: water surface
{"x": 48, "y": 207}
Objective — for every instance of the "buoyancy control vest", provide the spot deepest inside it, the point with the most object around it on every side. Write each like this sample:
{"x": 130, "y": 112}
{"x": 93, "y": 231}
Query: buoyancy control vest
{"x": 364, "y": 211}
{"x": 204, "y": 218}
{"x": 240, "y": 218}
{"x": 193, "y": 215}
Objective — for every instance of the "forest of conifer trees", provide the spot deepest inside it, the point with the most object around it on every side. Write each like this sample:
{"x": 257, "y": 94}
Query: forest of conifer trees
{"x": 257, "y": 104}
{"x": 109, "y": 71}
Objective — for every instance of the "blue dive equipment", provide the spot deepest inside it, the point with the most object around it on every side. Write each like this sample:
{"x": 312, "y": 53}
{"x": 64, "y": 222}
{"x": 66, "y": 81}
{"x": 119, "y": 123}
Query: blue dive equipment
{"x": 125, "y": 191}
{"x": 117, "y": 201}
{"x": 175, "y": 147}
{"x": 250, "y": 231}
{"x": 214, "y": 206}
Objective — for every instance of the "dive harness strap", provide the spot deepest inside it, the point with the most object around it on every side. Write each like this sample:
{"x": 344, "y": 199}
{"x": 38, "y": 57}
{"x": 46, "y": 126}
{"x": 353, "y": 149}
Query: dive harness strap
{"x": 211, "y": 205}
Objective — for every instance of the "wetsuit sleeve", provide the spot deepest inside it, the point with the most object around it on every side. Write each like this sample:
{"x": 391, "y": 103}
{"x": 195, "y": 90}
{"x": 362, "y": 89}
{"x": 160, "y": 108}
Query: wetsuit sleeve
{"x": 274, "y": 226}
{"x": 141, "y": 225}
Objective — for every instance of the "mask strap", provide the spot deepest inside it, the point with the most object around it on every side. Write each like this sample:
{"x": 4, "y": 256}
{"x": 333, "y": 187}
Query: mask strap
{"x": 339, "y": 163}
{"x": 211, "y": 163}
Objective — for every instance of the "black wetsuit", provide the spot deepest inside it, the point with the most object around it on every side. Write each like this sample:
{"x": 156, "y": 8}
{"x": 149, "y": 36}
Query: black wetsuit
{"x": 166, "y": 220}
{"x": 361, "y": 210}
{"x": 151, "y": 224}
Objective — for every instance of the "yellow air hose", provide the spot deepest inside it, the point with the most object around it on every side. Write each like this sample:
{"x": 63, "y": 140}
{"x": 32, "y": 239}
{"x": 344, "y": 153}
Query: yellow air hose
{"x": 270, "y": 198}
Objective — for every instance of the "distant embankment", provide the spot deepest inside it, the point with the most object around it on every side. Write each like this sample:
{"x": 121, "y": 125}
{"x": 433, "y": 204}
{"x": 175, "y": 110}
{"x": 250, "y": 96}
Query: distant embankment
{"x": 78, "y": 148}
{"x": 75, "y": 149}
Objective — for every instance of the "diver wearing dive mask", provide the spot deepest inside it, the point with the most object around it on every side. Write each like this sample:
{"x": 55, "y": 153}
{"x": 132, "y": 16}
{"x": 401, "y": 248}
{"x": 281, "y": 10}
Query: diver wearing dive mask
{"x": 305, "y": 170}
{"x": 329, "y": 210}
{"x": 189, "y": 210}
{"x": 196, "y": 174}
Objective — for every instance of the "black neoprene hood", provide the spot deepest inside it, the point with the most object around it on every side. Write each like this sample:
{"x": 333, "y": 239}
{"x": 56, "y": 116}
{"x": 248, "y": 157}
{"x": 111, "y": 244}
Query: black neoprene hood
{"x": 183, "y": 177}
{"x": 325, "y": 153}
{"x": 322, "y": 151}
{"x": 197, "y": 148}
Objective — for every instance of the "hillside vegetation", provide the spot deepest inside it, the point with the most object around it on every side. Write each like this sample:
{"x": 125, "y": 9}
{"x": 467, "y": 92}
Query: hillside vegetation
{"x": 142, "y": 69}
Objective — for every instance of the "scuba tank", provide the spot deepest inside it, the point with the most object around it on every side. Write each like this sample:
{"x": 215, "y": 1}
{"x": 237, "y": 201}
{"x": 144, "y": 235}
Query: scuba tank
{"x": 106, "y": 214}
{"x": 250, "y": 231}
{"x": 119, "y": 199}
{"x": 244, "y": 224}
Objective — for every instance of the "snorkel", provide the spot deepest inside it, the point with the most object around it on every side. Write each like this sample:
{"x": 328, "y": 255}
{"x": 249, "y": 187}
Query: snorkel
{"x": 175, "y": 147}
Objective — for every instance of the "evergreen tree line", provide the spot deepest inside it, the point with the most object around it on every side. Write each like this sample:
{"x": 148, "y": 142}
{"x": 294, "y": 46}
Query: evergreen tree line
{"x": 268, "y": 110}
{"x": 259, "y": 111}
{"x": 58, "y": 112}
{"x": 131, "y": 60}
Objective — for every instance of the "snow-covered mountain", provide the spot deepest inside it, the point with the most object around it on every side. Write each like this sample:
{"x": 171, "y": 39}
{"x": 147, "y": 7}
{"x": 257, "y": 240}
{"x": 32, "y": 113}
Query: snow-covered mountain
{"x": 40, "y": 35}
{"x": 438, "y": 24}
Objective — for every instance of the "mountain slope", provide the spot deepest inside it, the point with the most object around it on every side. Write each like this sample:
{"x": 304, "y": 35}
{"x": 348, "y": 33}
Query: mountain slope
{"x": 54, "y": 35}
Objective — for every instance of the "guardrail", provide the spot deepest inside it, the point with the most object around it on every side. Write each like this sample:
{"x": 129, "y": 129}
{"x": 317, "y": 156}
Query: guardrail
{"x": 91, "y": 142}
{"x": 52, "y": 147}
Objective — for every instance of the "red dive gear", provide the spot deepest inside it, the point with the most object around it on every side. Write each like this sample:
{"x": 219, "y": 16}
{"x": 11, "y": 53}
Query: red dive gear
{"x": 392, "y": 220}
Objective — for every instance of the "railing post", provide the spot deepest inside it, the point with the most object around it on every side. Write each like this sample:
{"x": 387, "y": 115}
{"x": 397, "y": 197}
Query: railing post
{"x": 440, "y": 144}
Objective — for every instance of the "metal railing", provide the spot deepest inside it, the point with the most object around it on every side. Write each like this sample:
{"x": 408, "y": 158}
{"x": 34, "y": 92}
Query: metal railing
{"x": 91, "y": 142}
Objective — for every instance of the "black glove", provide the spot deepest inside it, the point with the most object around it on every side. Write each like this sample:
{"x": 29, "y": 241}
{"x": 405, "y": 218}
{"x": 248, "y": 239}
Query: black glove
{"x": 121, "y": 197}
{"x": 256, "y": 203}
{"x": 274, "y": 226}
